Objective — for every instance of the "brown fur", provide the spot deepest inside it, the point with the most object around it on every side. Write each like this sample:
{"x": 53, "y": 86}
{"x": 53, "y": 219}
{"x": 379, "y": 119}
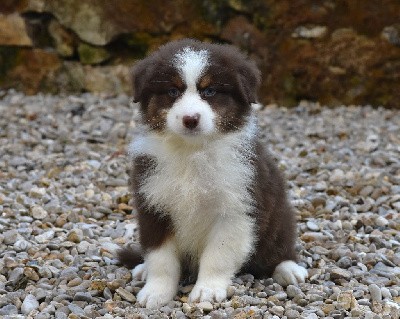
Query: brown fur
{"x": 274, "y": 216}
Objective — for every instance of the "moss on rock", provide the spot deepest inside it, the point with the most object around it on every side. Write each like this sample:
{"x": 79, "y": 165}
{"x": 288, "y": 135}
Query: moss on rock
{"x": 89, "y": 54}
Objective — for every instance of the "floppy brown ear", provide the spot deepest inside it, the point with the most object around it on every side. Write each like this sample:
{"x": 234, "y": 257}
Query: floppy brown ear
{"x": 140, "y": 73}
{"x": 249, "y": 81}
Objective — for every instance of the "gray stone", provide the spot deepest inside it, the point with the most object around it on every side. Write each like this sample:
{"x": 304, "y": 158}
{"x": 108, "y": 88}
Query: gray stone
{"x": 8, "y": 310}
{"x": 292, "y": 314}
{"x": 45, "y": 237}
{"x": 10, "y": 236}
{"x": 76, "y": 310}
{"x": 205, "y": 305}
{"x": 38, "y": 212}
{"x": 386, "y": 294}
{"x": 338, "y": 273}
{"x": 376, "y": 293}
{"x": 293, "y": 291}
{"x": 30, "y": 303}
{"x": 83, "y": 296}
{"x": 281, "y": 295}
{"x": 16, "y": 274}
{"x": 69, "y": 273}
{"x": 61, "y": 315}
{"x": 312, "y": 226}
{"x": 125, "y": 294}
{"x": 277, "y": 310}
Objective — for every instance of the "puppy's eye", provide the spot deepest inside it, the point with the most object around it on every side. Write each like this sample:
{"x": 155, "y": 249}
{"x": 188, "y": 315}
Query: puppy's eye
{"x": 208, "y": 92}
{"x": 174, "y": 92}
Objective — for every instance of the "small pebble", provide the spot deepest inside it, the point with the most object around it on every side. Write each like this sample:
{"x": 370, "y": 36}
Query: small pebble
{"x": 9, "y": 310}
{"x": 76, "y": 310}
{"x": 293, "y": 291}
{"x": 29, "y": 304}
{"x": 74, "y": 282}
{"x": 126, "y": 294}
{"x": 205, "y": 305}
{"x": 376, "y": 293}
{"x": 338, "y": 273}
{"x": 277, "y": 310}
{"x": 39, "y": 212}
{"x": 83, "y": 296}
{"x": 312, "y": 226}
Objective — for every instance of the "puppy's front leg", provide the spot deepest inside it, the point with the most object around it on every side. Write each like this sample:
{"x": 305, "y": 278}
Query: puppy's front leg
{"x": 163, "y": 272}
{"x": 229, "y": 244}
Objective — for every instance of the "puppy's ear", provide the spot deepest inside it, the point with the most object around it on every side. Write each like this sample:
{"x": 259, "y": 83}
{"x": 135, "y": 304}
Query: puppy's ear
{"x": 140, "y": 75}
{"x": 249, "y": 78}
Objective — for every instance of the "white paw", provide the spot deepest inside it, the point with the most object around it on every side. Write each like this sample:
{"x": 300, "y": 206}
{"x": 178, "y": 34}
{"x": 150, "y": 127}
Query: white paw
{"x": 155, "y": 296}
{"x": 140, "y": 272}
{"x": 209, "y": 293}
{"x": 289, "y": 273}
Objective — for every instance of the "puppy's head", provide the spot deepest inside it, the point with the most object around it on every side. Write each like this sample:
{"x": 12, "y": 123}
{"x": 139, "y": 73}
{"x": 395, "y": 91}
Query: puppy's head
{"x": 190, "y": 88}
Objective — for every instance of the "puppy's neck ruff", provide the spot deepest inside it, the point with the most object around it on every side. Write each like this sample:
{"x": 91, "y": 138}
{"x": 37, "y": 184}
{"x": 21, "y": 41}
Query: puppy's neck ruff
{"x": 189, "y": 177}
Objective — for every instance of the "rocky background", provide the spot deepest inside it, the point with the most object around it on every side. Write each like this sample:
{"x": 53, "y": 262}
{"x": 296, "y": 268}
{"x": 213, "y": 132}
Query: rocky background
{"x": 334, "y": 52}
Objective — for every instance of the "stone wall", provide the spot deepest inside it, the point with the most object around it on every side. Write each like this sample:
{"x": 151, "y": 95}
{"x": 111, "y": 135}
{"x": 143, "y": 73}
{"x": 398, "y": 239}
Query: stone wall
{"x": 332, "y": 51}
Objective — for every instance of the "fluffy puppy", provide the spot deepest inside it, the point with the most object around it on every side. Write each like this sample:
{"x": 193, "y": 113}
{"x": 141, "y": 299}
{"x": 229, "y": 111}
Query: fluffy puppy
{"x": 209, "y": 197}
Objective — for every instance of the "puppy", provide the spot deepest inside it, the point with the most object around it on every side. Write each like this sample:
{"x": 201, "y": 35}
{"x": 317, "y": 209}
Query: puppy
{"x": 210, "y": 199}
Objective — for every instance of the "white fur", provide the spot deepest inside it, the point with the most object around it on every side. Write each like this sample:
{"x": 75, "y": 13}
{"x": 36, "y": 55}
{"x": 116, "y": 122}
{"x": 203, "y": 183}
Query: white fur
{"x": 163, "y": 272}
{"x": 228, "y": 245}
{"x": 204, "y": 188}
{"x": 289, "y": 273}
{"x": 140, "y": 272}
{"x": 191, "y": 64}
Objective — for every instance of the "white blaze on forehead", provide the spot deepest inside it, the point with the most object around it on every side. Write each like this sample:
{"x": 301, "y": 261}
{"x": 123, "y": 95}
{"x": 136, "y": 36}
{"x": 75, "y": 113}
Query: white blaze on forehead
{"x": 191, "y": 63}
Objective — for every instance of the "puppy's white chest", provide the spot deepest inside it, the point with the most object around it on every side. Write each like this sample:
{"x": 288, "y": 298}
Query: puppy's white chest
{"x": 189, "y": 182}
{"x": 199, "y": 188}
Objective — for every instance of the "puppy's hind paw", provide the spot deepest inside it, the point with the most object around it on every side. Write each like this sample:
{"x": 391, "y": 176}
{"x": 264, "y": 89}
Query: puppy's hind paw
{"x": 289, "y": 273}
{"x": 140, "y": 272}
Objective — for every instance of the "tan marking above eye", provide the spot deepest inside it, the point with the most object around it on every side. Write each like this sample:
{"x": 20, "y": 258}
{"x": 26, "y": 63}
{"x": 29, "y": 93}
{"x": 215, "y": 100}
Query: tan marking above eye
{"x": 205, "y": 81}
{"x": 178, "y": 83}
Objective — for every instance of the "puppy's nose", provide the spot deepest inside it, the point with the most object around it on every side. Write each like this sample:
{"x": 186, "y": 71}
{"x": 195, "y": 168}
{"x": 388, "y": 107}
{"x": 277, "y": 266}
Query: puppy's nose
{"x": 191, "y": 121}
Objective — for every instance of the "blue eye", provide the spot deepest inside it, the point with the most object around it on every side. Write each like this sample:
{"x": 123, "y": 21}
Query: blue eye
{"x": 208, "y": 92}
{"x": 174, "y": 92}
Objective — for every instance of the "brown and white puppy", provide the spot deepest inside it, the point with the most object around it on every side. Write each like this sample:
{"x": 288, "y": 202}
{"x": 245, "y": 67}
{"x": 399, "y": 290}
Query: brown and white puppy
{"x": 208, "y": 195}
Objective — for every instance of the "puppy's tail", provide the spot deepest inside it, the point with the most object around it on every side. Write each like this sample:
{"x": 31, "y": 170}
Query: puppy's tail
{"x": 130, "y": 256}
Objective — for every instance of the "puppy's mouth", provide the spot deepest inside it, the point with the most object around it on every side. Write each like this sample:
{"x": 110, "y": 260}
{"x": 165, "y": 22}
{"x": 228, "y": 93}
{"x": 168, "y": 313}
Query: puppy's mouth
{"x": 191, "y": 133}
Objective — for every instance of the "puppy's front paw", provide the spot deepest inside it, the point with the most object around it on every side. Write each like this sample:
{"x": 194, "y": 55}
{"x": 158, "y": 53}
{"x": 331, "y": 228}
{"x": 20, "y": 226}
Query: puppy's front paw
{"x": 140, "y": 272}
{"x": 155, "y": 296}
{"x": 209, "y": 293}
{"x": 289, "y": 273}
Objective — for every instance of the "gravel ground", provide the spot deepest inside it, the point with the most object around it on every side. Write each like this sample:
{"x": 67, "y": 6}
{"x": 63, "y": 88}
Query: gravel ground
{"x": 65, "y": 207}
